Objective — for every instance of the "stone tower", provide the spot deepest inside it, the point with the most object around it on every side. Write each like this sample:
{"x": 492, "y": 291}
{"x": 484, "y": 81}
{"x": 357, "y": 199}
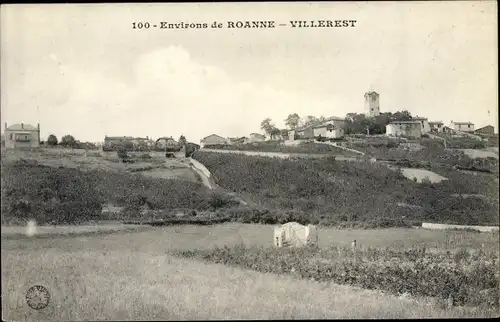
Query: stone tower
{"x": 372, "y": 107}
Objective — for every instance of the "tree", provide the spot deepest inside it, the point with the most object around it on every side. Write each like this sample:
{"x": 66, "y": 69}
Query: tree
{"x": 68, "y": 140}
{"x": 52, "y": 140}
{"x": 266, "y": 126}
{"x": 292, "y": 121}
{"x": 401, "y": 116}
{"x": 274, "y": 132}
{"x": 310, "y": 120}
{"x": 182, "y": 140}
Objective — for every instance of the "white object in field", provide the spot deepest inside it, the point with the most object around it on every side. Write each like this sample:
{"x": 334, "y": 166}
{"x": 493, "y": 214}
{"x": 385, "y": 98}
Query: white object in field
{"x": 353, "y": 244}
{"x": 295, "y": 235}
{"x": 31, "y": 228}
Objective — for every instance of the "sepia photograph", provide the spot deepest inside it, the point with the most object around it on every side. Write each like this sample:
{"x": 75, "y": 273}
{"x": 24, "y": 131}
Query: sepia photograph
{"x": 249, "y": 160}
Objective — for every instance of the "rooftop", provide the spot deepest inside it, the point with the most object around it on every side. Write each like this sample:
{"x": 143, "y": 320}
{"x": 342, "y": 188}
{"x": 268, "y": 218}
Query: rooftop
{"x": 462, "y": 123}
{"x": 404, "y": 122}
{"x": 21, "y": 127}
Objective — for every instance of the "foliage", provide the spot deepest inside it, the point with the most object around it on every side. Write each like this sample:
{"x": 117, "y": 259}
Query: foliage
{"x": 292, "y": 121}
{"x": 359, "y": 123}
{"x": 469, "y": 278}
{"x": 64, "y": 195}
{"x": 182, "y": 140}
{"x": 68, "y": 141}
{"x": 52, "y": 140}
{"x": 355, "y": 192}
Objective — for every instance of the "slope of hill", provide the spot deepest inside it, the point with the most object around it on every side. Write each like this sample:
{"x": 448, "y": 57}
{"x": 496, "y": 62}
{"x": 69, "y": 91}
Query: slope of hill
{"x": 351, "y": 192}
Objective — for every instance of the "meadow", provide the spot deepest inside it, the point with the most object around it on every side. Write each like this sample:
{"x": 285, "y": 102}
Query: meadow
{"x": 136, "y": 275}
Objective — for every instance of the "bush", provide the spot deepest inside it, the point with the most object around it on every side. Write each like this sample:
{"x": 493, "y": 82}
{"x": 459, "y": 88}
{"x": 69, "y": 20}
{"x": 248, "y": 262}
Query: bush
{"x": 468, "y": 279}
{"x": 343, "y": 191}
{"x": 67, "y": 196}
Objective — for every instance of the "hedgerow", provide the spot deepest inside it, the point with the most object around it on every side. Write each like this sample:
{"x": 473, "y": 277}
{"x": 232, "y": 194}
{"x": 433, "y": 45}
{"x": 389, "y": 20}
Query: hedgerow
{"x": 341, "y": 191}
{"x": 468, "y": 278}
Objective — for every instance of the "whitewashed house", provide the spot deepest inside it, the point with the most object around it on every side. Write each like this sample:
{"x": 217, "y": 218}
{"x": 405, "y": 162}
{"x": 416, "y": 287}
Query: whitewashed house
{"x": 437, "y": 126}
{"x": 328, "y": 131}
{"x": 426, "y": 128}
{"x": 467, "y": 127}
{"x": 410, "y": 129}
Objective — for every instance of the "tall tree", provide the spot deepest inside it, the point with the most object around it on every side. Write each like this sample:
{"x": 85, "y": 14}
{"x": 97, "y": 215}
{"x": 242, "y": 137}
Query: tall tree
{"x": 292, "y": 121}
{"x": 52, "y": 140}
{"x": 310, "y": 120}
{"x": 274, "y": 133}
{"x": 182, "y": 140}
{"x": 267, "y": 126}
{"x": 68, "y": 141}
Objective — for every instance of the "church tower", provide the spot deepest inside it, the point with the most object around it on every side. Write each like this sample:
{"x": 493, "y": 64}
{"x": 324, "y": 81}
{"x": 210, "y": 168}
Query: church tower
{"x": 372, "y": 107}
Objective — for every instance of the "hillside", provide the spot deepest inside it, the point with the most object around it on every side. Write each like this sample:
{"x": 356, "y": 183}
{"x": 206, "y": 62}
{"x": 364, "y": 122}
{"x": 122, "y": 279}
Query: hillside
{"x": 353, "y": 193}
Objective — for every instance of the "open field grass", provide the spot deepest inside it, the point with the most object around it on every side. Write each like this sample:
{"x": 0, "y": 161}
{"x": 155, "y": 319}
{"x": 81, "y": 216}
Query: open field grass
{"x": 160, "y": 239}
{"x": 125, "y": 276}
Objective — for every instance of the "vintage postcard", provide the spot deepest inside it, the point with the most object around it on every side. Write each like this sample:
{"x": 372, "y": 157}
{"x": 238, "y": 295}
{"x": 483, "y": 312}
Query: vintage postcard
{"x": 273, "y": 160}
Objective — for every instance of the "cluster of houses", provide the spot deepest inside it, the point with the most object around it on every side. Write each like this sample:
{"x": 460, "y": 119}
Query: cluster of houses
{"x": 23, "y": 135}
{"x": 333, "y": 128}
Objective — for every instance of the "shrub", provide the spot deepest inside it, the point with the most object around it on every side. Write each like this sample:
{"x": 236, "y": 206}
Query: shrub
{"x": 65, "y": 195}
{"x": 349, "y": 191}
{"x": 468, "y": 280}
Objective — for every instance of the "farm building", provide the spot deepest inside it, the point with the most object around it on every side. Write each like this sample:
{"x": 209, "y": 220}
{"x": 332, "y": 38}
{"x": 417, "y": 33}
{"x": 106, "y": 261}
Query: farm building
{"x": 411, "y": 129}
{"x": 213, "y": 139}
{"x": 338, "y": 122}
{"x": 256, "y": 137}
{"x": 22, "y": 136}
{"x": 334, "y": 125}
{"x": 328, "y": 131}
{"x": 486, "y": 130}
{"x": 436, "y": 126}
{"x": 462, "y": 126}
{"x": 305, "y": 132}
{"x": 426, "y": 128}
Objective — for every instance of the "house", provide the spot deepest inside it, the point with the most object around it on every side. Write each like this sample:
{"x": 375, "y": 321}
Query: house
{"x": 462, "y": 126}
{"x": 426, "y": 128}
{"x": 411, "y": 129}
{"x": 486, "y": 130}
{"x": 256, "y": 137}
{"x": 142, "y": 144}
{"x": 335, "y": 121}
{"x": 242, "y": 140}
{"x": 448, "y": 130}
{"x": 304, "y": 132}
{"x": 22, "y": 136}
{"x": 436, "y": 126}
{"x": 213, "y": 139}
{"x": 111, "y": 143}
{"x": 328, "y": 131}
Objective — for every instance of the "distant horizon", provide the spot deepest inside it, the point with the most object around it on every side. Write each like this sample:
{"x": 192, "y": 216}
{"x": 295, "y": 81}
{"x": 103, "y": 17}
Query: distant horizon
{"x": 83, "y": 70}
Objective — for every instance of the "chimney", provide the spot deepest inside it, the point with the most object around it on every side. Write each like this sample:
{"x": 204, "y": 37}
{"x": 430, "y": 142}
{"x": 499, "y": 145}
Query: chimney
{"x": 22, "y": 126}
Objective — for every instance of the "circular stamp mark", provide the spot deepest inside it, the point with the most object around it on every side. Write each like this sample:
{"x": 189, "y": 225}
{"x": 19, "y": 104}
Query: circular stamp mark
{"x": 38, "y": 297}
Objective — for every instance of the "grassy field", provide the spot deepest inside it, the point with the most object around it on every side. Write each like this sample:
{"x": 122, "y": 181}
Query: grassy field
{"x": 134, "y": 276}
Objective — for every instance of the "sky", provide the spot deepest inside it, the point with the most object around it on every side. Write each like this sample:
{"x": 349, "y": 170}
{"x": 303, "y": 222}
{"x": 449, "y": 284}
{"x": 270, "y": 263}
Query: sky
{"x": 82, "y": 69}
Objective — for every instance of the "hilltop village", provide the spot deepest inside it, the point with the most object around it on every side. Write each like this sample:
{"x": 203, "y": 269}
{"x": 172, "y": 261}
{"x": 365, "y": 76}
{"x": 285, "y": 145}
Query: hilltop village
{"x": 373, "y": 122}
